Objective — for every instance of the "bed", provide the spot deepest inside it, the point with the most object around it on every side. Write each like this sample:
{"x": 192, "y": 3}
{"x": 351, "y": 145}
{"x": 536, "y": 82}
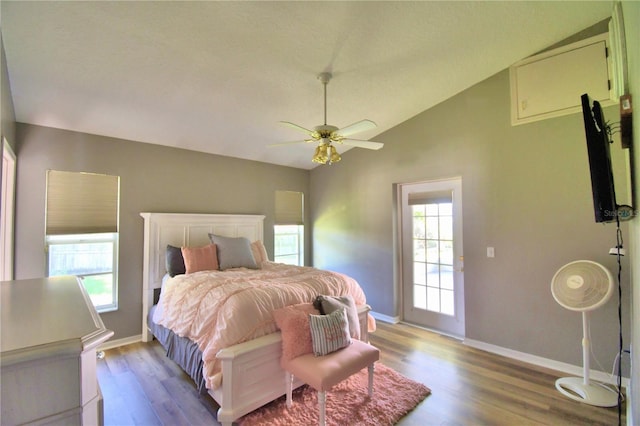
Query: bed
{"x": 248, "y": 373}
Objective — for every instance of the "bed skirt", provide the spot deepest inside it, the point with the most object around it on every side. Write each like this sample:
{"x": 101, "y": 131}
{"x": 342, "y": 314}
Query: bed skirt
{"x": 182, "y": 351}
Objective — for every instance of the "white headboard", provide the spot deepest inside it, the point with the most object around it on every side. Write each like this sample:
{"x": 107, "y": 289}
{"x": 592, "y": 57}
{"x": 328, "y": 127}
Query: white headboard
{"x": 184, "y": 229}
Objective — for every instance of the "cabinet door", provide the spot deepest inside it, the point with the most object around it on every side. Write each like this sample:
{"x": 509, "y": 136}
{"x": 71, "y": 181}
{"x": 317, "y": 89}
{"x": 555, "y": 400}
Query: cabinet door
{"x": 550, "y": 84}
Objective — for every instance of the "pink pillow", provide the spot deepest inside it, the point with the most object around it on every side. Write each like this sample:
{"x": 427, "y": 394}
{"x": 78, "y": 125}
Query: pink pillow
{"x": 200, "y": 258}
{"x": 259, "y": 252}
{"x": 293, "y": 322}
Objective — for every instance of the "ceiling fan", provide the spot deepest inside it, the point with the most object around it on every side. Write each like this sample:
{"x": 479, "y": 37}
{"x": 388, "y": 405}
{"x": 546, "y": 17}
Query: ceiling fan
{"x": 325, "y": 135}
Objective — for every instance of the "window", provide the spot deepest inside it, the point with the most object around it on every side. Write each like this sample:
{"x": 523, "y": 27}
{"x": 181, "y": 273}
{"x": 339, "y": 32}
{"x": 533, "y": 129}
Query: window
{"x": 92, "y": 258}
{"x": 289, "y": 228}
{"x": 82, "y": 232}
{"x": 289, "y": 244}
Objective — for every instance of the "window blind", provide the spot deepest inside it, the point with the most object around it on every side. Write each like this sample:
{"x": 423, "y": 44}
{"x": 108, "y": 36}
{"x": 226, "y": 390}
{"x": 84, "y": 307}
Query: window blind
{"x": 81, "y": 203}
{"x": 289, "y": 208}
{"x": 433, "y": 197}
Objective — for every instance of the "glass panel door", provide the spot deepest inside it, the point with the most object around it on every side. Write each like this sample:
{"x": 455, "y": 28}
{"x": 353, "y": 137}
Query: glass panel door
{"x": 432, "y": 262}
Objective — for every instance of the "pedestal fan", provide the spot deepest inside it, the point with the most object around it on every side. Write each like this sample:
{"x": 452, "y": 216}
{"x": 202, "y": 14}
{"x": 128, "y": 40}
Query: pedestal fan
{"x": 583, "y": 286}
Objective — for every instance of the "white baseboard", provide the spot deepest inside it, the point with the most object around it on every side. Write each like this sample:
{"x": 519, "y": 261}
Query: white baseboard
{"x": 385, "y": 318}
{"x": 563, "y": 367}
{"x": 110, "y": 344}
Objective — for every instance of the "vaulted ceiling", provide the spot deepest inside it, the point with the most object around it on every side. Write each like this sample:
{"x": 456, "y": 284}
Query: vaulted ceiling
{"x": 217, "y": 77}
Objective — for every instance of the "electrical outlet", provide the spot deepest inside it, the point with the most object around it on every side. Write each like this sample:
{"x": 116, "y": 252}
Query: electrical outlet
{"x": 491, "y": 252}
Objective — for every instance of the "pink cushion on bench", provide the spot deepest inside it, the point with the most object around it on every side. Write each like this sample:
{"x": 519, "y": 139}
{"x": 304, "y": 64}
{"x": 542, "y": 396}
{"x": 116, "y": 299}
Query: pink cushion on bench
{"x": 293, "y": 322}
{"x": 323, "y": 372}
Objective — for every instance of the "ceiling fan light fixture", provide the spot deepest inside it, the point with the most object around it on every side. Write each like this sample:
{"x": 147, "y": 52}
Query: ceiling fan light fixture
{"x": 326, "y": 154}
{"x": 334, "y": 157}
{"x": 321, "y": 155}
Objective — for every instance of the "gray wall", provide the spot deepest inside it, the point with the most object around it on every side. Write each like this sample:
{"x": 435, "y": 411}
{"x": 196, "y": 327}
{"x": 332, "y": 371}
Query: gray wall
{"x": 526, "y": 191}
{"x": 152, "y": 178}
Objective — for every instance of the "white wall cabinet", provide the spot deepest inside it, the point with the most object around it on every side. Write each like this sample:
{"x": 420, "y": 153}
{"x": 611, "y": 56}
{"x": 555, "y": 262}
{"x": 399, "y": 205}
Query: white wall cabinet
{"x": 550, "y": 84}
{"x": 50, "y": 331}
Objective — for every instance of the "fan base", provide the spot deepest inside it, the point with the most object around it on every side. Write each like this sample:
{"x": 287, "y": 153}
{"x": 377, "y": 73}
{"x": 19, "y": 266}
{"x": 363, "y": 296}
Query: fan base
{"x": 593, "y": 393}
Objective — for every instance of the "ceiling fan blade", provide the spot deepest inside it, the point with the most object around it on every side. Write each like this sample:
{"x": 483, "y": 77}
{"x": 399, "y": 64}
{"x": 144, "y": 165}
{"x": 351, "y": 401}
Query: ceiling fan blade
{"x": 295, "y": 126}
{"x": 362, "y": 144}
{"x": 358, "y": 127}
{"x": 291, "y": 143}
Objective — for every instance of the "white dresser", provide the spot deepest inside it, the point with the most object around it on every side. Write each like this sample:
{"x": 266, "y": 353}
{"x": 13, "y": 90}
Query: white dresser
{"x": 49, "y": 334}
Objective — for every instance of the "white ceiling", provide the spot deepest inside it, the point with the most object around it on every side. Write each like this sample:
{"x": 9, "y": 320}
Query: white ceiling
{"x": 217, "y": 77}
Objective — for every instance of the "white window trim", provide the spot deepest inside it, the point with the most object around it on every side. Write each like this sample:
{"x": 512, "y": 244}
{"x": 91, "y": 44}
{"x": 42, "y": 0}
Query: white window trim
{"x": 92, "y": 238}
{"x": 8, "y": 212}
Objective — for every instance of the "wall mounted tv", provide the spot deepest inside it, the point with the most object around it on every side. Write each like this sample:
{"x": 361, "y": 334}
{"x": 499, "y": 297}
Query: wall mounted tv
{"x": 602, "y": 186}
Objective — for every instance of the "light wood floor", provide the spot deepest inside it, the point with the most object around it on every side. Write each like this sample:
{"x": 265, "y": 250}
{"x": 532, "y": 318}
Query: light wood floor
{"x": 469, "y": 387}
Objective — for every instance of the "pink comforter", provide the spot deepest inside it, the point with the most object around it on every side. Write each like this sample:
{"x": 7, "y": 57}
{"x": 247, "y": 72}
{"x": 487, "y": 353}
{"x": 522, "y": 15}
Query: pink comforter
{"x": 219, "y": 309}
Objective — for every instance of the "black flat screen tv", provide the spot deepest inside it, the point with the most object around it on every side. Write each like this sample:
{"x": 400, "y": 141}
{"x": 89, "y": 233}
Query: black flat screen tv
{"x": 602, "y": 186}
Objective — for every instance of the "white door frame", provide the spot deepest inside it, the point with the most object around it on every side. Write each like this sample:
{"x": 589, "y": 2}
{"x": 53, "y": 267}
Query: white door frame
{"x": 8, "y": 211}
{"x": 450, "y": 325}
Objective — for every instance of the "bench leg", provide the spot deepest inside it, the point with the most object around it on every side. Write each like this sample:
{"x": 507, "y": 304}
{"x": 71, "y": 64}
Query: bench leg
{"x": 322, "y": 405}
{"x": 288, "y": 380}
{"x": 371, "y": 367}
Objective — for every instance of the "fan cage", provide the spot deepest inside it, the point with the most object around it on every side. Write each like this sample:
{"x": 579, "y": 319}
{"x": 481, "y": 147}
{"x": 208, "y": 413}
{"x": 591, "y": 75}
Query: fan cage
{"x": 582, "y": 285}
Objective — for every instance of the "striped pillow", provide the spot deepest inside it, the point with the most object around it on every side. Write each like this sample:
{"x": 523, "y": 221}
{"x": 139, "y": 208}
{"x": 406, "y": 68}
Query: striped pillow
{"x": 259, "y": 252}
{"x": 329, "y": 332}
